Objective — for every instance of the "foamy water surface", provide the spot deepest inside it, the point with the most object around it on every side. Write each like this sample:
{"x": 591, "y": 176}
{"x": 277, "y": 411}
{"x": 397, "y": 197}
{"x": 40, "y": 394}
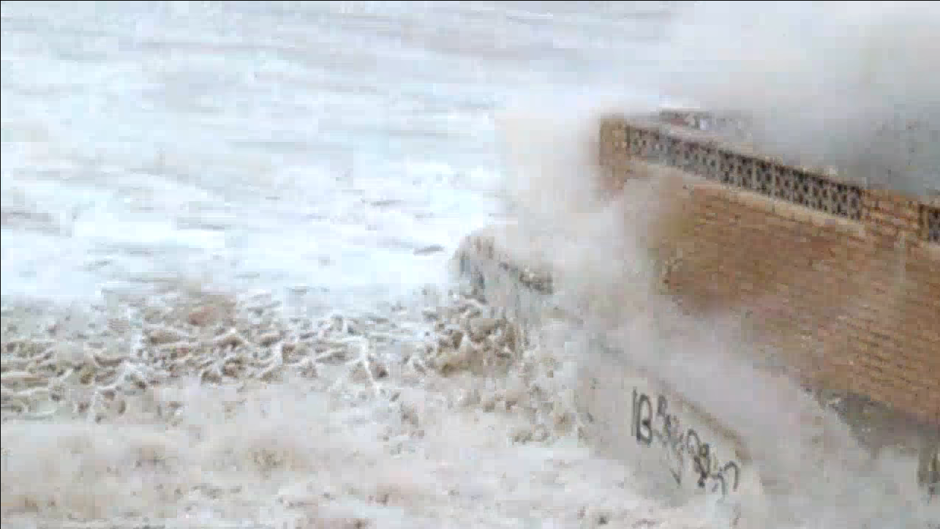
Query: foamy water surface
{"x": 226, "y": 230}
{"x": 270, "y": 144}
{"x": 175, "y": 174}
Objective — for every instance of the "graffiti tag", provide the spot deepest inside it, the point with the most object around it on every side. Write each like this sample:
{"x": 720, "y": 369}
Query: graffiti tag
{"x": 684, "y": 448}
{"x": 928, "y": 473}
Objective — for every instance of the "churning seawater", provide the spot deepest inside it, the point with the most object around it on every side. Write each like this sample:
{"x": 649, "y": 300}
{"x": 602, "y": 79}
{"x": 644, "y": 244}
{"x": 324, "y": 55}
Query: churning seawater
{"x": 215, "y": 213}
{"x": 226, "y": 230}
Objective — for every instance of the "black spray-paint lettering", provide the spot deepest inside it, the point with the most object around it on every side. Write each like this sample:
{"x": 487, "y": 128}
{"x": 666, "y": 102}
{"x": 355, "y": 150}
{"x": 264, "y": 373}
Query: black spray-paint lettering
{"x": 932, "y": 478}
{"x": 710, "y": 474}
{"x": 666, "y": 428}
{"x": 671, "y": 438}
{"x": 642, "y": 418}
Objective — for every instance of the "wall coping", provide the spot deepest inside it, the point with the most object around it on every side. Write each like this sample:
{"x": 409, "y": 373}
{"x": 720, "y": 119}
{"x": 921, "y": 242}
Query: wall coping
{"x": 653, "y": 139}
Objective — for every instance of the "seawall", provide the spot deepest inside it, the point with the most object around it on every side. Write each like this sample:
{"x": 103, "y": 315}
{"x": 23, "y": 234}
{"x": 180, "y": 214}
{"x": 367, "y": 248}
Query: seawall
{"x": 840, "y": 282}
{"x": 677, "y": 448}
{"x": 680, "y": 451}
{"x": 837, "y": 285}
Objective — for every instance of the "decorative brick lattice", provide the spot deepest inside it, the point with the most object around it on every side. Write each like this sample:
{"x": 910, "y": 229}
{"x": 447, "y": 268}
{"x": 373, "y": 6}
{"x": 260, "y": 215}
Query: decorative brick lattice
{"x": 753, "y": 173}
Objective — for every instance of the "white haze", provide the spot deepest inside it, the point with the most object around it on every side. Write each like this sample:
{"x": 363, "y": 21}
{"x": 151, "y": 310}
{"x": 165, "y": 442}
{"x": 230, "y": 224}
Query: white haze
{"x": 825, "y": 83}
{"x": 850, "y": 84}
{"x": 390, "y": 145}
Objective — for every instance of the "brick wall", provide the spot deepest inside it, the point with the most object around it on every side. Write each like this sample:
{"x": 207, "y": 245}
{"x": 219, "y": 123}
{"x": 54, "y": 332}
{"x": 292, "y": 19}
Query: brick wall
{"x": 839, "y": 281}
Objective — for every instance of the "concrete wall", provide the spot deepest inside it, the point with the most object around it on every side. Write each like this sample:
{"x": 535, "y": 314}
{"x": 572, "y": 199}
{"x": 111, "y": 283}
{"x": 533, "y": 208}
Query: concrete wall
{"x": 677, "y": 450}
{"x": 840, "y": 282}
{"x": 633, "y": 415}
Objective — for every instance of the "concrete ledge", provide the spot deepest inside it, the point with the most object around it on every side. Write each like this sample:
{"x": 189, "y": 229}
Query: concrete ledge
{"x": 681, "y": 450}
{"x": 676, "y": 446}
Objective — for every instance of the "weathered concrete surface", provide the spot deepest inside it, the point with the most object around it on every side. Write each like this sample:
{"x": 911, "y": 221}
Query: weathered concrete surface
{"x": 635, "y": 416}
{"x": 677, "y": 448}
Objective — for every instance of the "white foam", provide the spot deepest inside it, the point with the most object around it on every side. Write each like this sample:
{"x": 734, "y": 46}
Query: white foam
{"x": 221, "y": 148}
